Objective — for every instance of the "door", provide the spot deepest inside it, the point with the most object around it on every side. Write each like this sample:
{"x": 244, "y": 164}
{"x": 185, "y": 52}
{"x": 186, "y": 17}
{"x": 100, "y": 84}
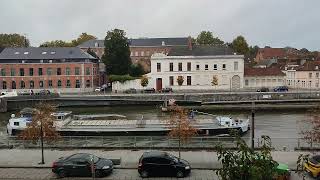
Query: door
{"x": 165, "y": 167}
{"x": 235, "y": 82}
{"x": 82, "y": 168}
{"x": 159, "y": 84}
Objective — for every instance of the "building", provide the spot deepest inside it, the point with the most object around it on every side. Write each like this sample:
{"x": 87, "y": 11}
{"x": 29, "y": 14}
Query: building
{"x": 56, "y": 69}
{"x": 142, "y": 48}
{"x": 304, "y": 76}
{"x": 200, "y": 67}
{"x": 255, "y": 78}
{"x": 270, "y": 53}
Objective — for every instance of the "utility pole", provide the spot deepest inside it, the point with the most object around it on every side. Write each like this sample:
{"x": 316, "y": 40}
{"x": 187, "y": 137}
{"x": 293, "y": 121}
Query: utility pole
{"x": 252, "y": 125}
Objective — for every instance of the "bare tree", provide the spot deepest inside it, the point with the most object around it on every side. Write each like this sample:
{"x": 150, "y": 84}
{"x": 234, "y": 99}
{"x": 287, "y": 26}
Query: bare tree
{"x": 311, "y": 133}
{"x": 41, "y": 126}
{"x": 180, "y": 126}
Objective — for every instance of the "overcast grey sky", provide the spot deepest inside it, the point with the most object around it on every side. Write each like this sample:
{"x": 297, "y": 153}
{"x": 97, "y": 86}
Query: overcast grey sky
{"x": 277, "y": 23}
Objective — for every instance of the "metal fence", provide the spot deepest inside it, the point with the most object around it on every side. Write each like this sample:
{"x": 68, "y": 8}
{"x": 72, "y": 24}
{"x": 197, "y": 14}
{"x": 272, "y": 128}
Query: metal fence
{"x": 152, "y": 142}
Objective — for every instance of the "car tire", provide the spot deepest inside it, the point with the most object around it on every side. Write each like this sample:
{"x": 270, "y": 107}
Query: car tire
{"x": 144, "y": 174}
{"x": 98, "y": 173}
{"x": 180, "y": 174}
{"x": 61, "y": 173}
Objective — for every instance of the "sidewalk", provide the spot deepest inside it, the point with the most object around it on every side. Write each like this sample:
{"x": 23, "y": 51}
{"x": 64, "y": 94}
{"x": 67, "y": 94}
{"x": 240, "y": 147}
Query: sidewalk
{"x": 129, "y": 159}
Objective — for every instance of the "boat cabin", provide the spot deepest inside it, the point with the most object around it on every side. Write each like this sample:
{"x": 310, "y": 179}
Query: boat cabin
{"x": 228, "y": 121}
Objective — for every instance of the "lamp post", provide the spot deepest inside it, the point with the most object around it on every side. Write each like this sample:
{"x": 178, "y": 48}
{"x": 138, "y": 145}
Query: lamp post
{"x": 41, "y": 139}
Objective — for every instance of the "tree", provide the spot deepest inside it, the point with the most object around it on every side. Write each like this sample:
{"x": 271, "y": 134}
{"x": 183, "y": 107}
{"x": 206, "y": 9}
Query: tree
{"x": 253, "y": 50}
{"x": 116, "y": 53}
{"x": 42, "y": 125}
{"x": 13, "y": 40}
{"x": 144, "y": 81}
{"x": 245, "y": 163}
{"x": 56, "y": 43}
{"x": 214, "y": 81}
{"x": 240, "y": 45}
{"x": 92, "y": 53}
{"x": 136, "y": 70}
{"x": 180, "y": 126}
{"x": 207, "y": 38}
{"x": 312, "y": 133}
{"x": 180, "y": 80}
{"x": 82, "y": 38}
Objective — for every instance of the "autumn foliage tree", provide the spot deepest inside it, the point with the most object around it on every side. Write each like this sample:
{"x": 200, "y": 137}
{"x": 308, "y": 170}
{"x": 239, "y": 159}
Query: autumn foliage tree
{"x": 180, "y": 126}
{"x": 41, "y": 116}
{"x": 312, "y": 133}
{"x": 144, "y": 81}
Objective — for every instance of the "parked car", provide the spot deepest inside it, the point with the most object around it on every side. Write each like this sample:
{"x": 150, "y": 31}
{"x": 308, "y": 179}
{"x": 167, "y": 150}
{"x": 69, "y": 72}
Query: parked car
{"x": 282, "y": 172}
{"x": 130, "y": 91}
{"x": 97, "y": 89}
{"x": 166, "y": 90}
{"x": 44, "y": 92}
{"x": 263, "y": 89}
{"x": 281, "y": 89}
{"x": 80, "y": 164}
{"x": 149, "y": 90}
{"x": 157, "y": 163}
{"x": 312, "y": 166}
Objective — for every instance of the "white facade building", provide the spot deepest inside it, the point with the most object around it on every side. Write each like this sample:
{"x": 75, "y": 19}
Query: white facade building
{"x": 199, "y": 72}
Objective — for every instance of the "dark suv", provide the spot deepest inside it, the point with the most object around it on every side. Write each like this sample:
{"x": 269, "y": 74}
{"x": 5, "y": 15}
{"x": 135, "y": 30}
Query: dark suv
{"x": 157, "y": 163}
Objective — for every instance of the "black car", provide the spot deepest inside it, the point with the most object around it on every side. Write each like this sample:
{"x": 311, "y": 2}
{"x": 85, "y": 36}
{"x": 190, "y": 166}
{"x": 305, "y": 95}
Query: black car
{"x": 280, "y": 89}
{"x": 166, "y": 90}
{"x": 81, "y": 164}
{"x": 157, "y": 163}
{"x": 130, "y": 91}
{"x": 149, "y": 90}
{"x": 263, "y": 89}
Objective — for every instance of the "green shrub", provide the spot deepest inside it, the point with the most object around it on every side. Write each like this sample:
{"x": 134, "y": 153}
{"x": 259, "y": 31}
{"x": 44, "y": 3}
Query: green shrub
{"x": 121, "y": 78}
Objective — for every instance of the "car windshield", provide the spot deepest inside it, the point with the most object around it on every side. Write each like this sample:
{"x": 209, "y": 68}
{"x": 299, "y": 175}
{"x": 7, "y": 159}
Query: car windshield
{"x": 175, "y": 159}
{"x": 84, "y": 156}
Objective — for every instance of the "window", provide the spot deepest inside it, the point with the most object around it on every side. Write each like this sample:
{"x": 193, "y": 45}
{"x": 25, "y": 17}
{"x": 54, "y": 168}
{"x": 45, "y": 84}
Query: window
{"x": 21, "y": 72}
{"x": 158, "y": 67}
{"x": 40, "y": 73}
{"x": 58, "y": 71}
{"x": 136, "y": 53}
{"x": 317, "y": 84}
{"x": 180, "y": 67}
{"x": 12, "y": 72}
{"x": 68, "y": 71}
{"x": 87, "y": 70}
{"x": 31, "y": 84}
{"x": 13, "y": 85}
{"x": 206, "y": 67}
{"x": 77, "y": 83}
{"x": 235, "y": 66}
{"x": 50, "y": 83}
{"x": 4, "y": 85}
{"x": 198, "y": 67}
{"x": 3, "y": 72}
{"x": 142, "y": 53}
{"x": 317, "y": 75}
{"x": 171, "y": 67}
{"x": 223, "y": 66}
{"x": 68, "y": 84}
{"x": 77, "y": 71}
{"x": 22, "y": 85}
{"x": 49, "y": 71}
{"x": 189, "y": 80}
{"x": 171, "y": 80}
{"x": 59, "y": 84}
{"x": 26, "y": 52}
{"x": 88, "y": 83}
{"x": 148, "y": 53}
{"x": 189, "y": 66}
{"x": 30, "y": 71}
{"x": 247, "y": 82}
{"x": 131, "y": 53}
{"x": 310, "y": 75}
{"x": 16, "y": 123}
{"x": 41, "y": 84}
{"x": 215, "y": 67}
{"x": 44, "y": 52}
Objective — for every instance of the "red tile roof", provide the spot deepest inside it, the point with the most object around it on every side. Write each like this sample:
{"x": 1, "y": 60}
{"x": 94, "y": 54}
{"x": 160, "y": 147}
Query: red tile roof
{"x": 309, "y": 66}
{"x": 271, "y": 71}
{"x": 270, "y": 53}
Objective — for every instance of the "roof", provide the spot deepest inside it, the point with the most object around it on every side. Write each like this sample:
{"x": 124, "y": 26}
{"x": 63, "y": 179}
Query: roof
{"x": 141, "y": 42}
{"x": 154, "y": 153}
{"x": 270, "y": 53}
{"x": 271, "y": 71}
{"x": 44, "y": 53}
{"x": 200, "y": 51}
{"x": 309, "y": 66}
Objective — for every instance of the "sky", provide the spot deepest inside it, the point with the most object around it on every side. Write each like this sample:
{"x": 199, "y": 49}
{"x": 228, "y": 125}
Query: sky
{"x": 275, "y": 23}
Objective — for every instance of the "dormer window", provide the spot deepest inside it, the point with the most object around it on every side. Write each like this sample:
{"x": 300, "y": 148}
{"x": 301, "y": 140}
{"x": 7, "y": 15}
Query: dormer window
{"x": 52, "y": 52}
{"x": 44, "y": 52}
{"x": 50, "y": 61}
{"x": 17, "y": 53}
{"x": 26, "y": 52}
{"x": 41, "y": 61}
{"x": 163, "y": 43}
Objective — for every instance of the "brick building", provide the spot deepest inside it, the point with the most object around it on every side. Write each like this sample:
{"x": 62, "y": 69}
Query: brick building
{"x": 56, "y": 69}
{"x": 142, "y": 48}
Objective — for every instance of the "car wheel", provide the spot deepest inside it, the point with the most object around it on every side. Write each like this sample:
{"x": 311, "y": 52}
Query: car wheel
{"x": 98, "y": 173}
{"x": 144, "y": 174}
{"x": 61, "y": 173}
{"x": 180, "y": 174}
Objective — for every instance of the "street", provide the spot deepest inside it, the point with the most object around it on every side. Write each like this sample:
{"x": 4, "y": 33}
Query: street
{"x": 118, "y": 174}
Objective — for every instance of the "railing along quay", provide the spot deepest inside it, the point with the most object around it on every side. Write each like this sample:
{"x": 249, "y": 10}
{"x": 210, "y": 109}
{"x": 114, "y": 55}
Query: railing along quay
{"x": 152, "y": 142}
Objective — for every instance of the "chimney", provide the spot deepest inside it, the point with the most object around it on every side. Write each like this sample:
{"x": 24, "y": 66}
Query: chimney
{"x": 190, "y": 43}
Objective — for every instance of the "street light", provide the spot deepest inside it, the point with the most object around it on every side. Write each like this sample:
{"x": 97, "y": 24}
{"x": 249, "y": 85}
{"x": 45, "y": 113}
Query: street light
{"x": 41, "y": 139}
